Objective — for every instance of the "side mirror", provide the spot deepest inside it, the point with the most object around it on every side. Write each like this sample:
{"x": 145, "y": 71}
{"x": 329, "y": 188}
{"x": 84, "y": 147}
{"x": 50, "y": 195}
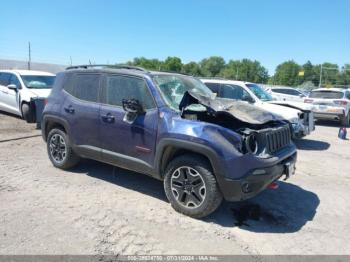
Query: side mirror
{"x": 133, "y": 108}
{"x": 248, "y": 99}
{"x": 12, "y": 87}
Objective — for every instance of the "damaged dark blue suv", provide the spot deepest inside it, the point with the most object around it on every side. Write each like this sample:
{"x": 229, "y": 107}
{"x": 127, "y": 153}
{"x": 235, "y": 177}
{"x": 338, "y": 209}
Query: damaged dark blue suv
{"x": 169, "y": 126}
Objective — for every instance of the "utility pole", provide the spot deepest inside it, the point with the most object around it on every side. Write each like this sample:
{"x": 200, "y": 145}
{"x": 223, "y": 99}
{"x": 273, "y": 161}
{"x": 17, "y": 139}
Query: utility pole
{"x": 29, "y": 55}
{"x": 237, "y": 73}
{"x": 71, "y": 62}
{"x": 320, "y": 82}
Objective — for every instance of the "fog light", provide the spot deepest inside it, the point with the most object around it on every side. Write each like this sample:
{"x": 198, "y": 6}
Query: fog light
{"x": 259, "y": 172}
{"x": 245, "y": 187}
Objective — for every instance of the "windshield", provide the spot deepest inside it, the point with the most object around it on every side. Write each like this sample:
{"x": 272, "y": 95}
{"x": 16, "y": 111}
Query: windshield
{"x": 259, "y": 92}
{"x": 326, "y": 94}
{"x": 38, "y": 82}
{"x": 173, "y": 88}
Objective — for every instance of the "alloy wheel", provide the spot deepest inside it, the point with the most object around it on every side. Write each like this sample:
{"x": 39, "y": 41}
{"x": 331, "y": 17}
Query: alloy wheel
{"x": 58, "y": 148}
{"x": 188, "y": 187}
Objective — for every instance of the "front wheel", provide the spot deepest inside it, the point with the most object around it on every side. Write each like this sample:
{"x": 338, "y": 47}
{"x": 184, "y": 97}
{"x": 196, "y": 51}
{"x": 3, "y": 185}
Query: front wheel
{"x": 191, "y": 187}
{"x": 27, "y": 113}
{"x": 60, "y": 152}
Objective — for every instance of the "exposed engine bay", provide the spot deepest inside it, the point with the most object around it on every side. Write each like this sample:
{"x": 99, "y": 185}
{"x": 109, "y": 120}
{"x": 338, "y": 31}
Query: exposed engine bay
{"x": 262, "y": 132}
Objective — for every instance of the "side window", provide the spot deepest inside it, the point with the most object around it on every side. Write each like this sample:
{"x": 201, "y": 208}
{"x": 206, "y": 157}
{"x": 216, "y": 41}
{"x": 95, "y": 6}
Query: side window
{"x": 347, "y": 95}
{"x": 4, "y": 79}
{"x": 234, "y": 92}
{"x": 86, "y": 87}
{"x": 279, "y": 91}
{"x": 68, "y": 84}
{"x": 213, "y": 87}
{"x": 120, "y": 87}
{"x": 14, "y": 81}
{"x": 293, "y": 92}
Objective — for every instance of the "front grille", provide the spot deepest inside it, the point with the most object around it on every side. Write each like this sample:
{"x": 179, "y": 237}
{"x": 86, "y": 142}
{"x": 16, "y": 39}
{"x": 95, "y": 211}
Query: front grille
{"x": 278, "y": 138}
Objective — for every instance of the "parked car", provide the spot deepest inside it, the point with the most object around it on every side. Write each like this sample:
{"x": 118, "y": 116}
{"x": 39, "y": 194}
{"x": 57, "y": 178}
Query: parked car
{"x": 171, "y": 127}
{"x": 287, "y": 94}
{"x": 19, "y": 87}
{"x": 331, "y": 103}
{"x": 299, "y": 115}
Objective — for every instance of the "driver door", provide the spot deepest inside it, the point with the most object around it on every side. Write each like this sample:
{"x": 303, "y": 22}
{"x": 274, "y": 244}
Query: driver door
{"x": 130, "y": 145}
{"x": 9, "y": 98}
{"x": 12, "y": 96}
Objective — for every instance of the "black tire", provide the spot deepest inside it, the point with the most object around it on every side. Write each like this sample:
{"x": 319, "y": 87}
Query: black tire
{"x": 69, "y": 158}
{"x": 213, "y": 197}
{"x": 344, "y": 121}
{"x": 27, "y": 113}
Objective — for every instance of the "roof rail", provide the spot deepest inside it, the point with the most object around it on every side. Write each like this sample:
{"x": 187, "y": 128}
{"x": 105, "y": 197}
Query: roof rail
{"x": 110, "y": 66}
{"x": 173, "y": 72}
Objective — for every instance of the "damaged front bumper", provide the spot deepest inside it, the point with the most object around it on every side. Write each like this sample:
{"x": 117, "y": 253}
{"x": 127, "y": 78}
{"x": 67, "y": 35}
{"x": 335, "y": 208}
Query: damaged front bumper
{"x": 304, "y": 126}
{"x": 257, "y": 180}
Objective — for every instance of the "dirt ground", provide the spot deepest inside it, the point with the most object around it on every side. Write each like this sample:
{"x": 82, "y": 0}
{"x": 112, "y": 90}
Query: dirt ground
{"x": 100, "y": 209}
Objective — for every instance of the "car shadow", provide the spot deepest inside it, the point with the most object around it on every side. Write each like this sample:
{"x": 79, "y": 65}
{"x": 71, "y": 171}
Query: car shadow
{"x": 309, "y": 144}
{"x": 10, "y": 114}
{"x": 329, "y": 123}
{"x": 284, "y": 210}
{"x": 122, "y": 177}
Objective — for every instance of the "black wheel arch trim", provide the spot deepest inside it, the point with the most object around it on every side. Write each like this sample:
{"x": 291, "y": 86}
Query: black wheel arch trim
{"x": 179, "y": 144}
{"x": 56, "y": 119}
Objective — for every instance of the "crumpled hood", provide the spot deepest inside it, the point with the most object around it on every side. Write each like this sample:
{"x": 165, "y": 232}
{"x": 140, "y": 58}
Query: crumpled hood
{"x": 292, "y": 104}
{"x": 40, "y": 92}
{"x": 240, "y": 110}
{"x": 285, "y": 112}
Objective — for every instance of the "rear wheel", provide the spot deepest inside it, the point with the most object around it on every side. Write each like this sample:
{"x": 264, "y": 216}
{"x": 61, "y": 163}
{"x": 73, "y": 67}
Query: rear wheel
{"x": 27, "y": 113}
{"x": 60, "y": 152}
{"x": 191, "y": 187}
{"x": 345, "y": 120}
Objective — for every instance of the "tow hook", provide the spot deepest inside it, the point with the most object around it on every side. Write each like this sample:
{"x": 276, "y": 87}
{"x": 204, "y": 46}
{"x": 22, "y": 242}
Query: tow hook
{"x": 273, "y": 185}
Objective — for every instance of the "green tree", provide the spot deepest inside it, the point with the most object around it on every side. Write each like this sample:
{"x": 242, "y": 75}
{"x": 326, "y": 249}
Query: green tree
{"x": 343, "y": 77}
{"x": 150, "y": 64}
{"x": 192, "y": 68}
{"x": 173, "y": 64}
{"x": 212, "y": 66}
{"x": 245, "y": 70}
{"x": 287, "y": 74}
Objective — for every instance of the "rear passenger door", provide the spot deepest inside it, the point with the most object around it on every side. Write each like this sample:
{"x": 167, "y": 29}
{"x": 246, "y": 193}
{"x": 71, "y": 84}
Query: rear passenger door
{"x": 127, "y": 145}
{"x": 81, "y": 111}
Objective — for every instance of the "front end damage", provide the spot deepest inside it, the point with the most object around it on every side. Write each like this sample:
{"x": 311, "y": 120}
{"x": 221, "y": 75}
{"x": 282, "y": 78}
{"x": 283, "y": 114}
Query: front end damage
{"x": 263, "y": 133}
{"x": 266, "y": 150}
{"x": 305, "y": 123}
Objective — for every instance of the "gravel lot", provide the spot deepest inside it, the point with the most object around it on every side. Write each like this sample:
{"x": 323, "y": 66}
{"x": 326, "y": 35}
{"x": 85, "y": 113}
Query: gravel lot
{"x": 100, "y": 209}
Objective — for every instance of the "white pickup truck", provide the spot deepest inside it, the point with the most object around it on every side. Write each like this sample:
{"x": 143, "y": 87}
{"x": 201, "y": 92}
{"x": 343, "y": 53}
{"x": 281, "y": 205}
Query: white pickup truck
{"x": 299, "y": 115}
{"x": 331, "y": 103}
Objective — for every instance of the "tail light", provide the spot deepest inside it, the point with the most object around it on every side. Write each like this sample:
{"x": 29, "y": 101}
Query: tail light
{"x": 308, "y": 100}
{"x": 340, "y": 102}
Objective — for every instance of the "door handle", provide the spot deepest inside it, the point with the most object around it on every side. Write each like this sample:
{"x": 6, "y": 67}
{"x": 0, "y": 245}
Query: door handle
{"x": 69, "y": 109}
{"x": 108, "y": 118}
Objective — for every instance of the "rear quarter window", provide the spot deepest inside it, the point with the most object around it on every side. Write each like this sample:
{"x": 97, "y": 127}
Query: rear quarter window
{"x": 83, "y": 86}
